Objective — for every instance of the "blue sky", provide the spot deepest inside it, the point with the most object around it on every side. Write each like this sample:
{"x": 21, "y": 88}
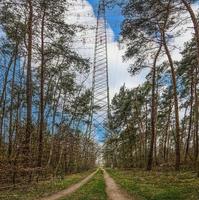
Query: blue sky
{"x": 114, "y": 17}
{"x": 118, "y": 69}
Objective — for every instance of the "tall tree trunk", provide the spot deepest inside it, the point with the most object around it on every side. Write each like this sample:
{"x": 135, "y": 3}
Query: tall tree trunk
{"x": 41, "y": 124}
{"x": 174, "y": 84}
{"x": 153, "y": 111}
{"x": 196, "y": 109}
{"x": 11, "y": 106}
{"x": 156, "y": 118}
{"x": 29, "y": 84}
{"x": 146, "y": 131}
{"x": 194, "y": 19}
{"x": 177, "y": 123}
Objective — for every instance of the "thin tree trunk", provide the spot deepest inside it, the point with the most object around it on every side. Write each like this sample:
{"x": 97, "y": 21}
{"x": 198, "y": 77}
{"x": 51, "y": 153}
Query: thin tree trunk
{"x": 190, "y": 119}
{"x": 166, "y": 131}
{"x": 194, "y": 19}
{"x": 177, "y": 123}
{"x": 41, "y": 124}
{"x": 196, "y": 117}
{"x": 6, "y": 76}
{"x": 2, "y": 120}
{"x": 146, "y": 132}
{"x": 156, "y": 118}
{"x": 29, "y": 85}
{"x": 11, "y": 106}
{"x": 153, "y": 112}
{"x": 184, "y": 129}
{"x": 3, "y": 97}
{"x": 53, "y": 125}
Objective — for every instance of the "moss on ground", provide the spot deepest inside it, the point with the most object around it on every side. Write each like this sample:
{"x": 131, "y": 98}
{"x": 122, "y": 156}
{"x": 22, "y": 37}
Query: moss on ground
{"x": 158, "y": 185}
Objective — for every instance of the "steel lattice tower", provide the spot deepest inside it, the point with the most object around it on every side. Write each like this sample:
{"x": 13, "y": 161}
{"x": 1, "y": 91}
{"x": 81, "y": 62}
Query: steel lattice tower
{"x": 100, "y": 85}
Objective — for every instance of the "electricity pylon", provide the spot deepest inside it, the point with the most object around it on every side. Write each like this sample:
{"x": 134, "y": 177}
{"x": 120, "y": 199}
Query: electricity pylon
{"x": 100, "y": 108}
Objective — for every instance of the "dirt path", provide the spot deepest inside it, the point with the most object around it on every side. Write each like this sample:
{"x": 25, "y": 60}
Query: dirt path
{"x": 113, "y": 191}
{"x": 70, "y": 190}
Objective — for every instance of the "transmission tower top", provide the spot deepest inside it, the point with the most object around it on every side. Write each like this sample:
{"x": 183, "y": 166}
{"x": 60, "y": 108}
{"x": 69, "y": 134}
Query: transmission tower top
{"x": 100, "y": 108}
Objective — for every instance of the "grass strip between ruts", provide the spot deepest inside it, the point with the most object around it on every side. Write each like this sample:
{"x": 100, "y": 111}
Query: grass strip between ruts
{"x": 95, "y": 189}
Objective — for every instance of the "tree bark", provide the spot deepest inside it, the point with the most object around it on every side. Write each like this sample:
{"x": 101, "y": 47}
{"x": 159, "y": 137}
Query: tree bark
{"x": 29, "y": 84}
{"x": 11, "y": 105}
{"x": 190, "y": 118}
{"x": 196, "y": 30}
{"x": 41, "y": 124}
{"x": 177, "y": 123}
{"x": 3, "y": 96}
{"x": 153, "y": 112}
{"x": 165, "y": 146}
{"x": 196, "y": 117}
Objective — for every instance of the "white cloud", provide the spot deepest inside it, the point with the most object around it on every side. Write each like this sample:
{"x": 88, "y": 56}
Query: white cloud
{"x": 118, "y": 70}
{"x": 82, "y": 13}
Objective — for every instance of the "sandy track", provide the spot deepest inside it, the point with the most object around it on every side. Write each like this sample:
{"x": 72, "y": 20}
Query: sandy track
{"x": 113, "y": 191}
{"x": 70, "y": 190}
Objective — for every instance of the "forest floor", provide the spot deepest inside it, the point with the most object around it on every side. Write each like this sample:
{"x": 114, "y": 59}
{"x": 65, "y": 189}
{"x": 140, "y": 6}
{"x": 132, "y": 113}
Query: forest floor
{"x": 43, "y": 189}
{"x": 114, "y": 185}
{"x": 158, "y": 185}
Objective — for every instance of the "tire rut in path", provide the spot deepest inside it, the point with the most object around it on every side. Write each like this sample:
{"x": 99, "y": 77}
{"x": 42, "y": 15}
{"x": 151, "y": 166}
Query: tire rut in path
{"x": 113, "y": 191}
{"x": 70, "y": 190}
